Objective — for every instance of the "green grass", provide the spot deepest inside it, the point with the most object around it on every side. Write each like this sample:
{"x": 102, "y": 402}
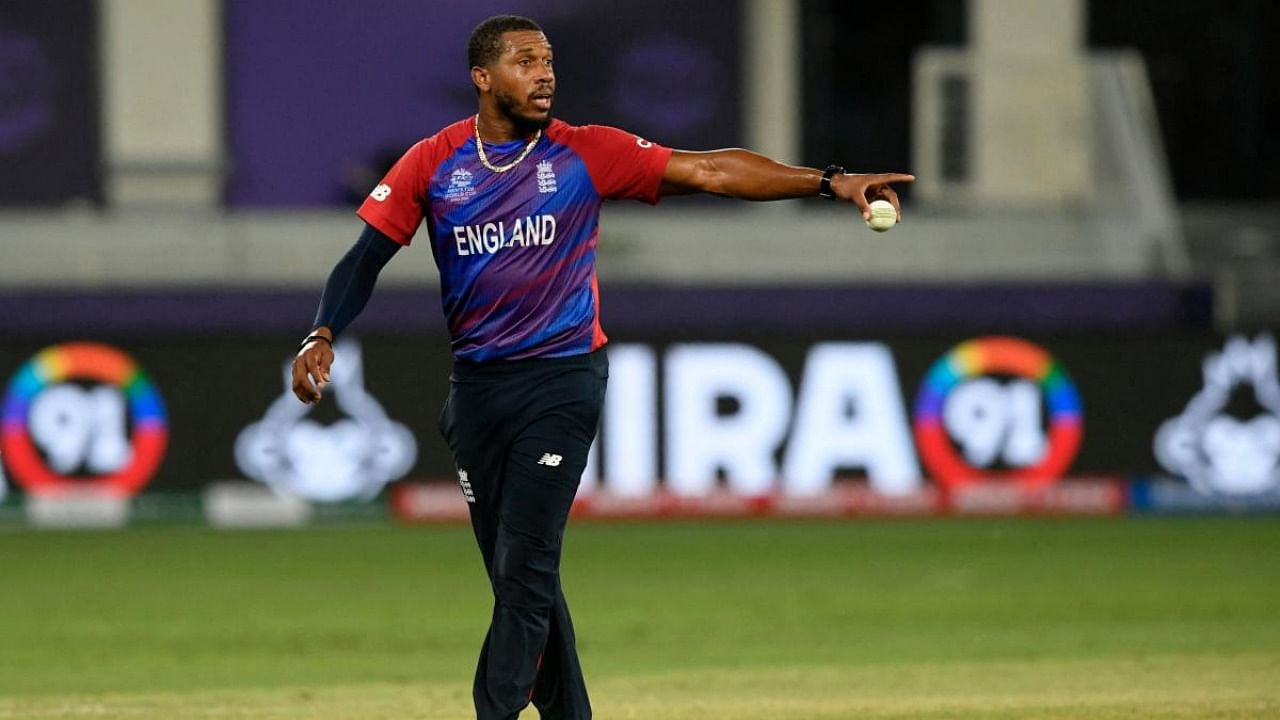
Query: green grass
{"x": 1175, "y": 618}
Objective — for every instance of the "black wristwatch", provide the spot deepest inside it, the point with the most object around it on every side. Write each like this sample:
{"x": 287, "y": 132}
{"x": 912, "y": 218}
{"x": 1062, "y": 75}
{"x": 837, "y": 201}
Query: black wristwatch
{"x": 824, "y": 190}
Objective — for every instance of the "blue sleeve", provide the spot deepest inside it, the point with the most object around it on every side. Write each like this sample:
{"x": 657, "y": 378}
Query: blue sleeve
{"x": 352, "y": 280}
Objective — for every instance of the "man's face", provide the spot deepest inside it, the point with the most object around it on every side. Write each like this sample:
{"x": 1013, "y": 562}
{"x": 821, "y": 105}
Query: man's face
{"x": 523, "y": 80}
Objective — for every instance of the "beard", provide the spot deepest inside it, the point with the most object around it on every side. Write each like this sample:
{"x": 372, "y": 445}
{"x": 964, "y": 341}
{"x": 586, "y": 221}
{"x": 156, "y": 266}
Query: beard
{"x": 525, "y": 125}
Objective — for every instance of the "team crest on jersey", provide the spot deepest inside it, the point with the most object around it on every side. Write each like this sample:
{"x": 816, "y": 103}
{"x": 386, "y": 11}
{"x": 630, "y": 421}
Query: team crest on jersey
{"x": 460, "y": 188}
{"x": 546, "y": 177}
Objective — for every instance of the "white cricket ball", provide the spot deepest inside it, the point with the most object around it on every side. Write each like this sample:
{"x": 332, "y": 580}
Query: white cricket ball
{"x": 883, "y": 216}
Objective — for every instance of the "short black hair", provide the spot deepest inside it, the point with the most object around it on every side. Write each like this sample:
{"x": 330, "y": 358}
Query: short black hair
{"x": 485, "y": 44}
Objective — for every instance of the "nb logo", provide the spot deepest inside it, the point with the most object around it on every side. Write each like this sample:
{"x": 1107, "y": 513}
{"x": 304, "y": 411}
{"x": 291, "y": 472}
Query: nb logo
{"x": 381, "y": 193}
{"x": 550, "y": 460}
{"x": 465, "y": 483}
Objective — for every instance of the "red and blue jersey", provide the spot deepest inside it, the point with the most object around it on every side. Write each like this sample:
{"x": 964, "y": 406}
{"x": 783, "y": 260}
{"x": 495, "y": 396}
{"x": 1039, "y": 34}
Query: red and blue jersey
{"x": 516, "y": 250}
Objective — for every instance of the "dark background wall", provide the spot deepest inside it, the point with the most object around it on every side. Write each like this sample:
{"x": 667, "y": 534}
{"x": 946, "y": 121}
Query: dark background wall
{"x": 1213, "y": 66}
{"x": 49, "y": 124}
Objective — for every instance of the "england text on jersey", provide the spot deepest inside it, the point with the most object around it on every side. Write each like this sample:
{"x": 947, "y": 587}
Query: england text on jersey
{"x": 491, "y": 237}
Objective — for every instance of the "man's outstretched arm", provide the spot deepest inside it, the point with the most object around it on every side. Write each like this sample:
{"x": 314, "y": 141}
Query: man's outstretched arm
{"x": 746, "y": 175}
{"x": 345, "y": 295}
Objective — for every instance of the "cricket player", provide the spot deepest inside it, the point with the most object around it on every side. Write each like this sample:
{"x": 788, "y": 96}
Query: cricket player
{"x": 511, "y": 202}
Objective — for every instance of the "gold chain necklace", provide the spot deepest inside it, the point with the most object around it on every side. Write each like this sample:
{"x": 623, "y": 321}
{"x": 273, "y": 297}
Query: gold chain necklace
{"x": 503, "y": 168}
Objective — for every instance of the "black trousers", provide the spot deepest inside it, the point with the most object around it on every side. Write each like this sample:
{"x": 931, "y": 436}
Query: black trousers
{"x": 520, "y": 432}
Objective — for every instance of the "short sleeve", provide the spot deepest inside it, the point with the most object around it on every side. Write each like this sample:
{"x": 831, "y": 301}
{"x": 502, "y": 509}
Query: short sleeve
{"x": 622, "y": 165}
{"x": 395, "y": 207}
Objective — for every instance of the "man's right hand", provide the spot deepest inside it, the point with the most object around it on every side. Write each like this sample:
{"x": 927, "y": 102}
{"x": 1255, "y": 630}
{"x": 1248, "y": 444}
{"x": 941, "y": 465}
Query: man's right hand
{"x": 311, "y": 367}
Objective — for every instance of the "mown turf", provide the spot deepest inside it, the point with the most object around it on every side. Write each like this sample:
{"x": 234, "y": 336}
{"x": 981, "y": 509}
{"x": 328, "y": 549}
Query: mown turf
{"x": 1174, "y": 618}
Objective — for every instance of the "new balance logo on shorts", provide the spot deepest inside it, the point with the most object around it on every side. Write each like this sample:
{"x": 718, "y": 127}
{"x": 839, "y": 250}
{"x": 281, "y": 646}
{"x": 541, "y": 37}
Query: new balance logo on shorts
{"x": 550, "y": 460}
{"x": 465, "y": 483}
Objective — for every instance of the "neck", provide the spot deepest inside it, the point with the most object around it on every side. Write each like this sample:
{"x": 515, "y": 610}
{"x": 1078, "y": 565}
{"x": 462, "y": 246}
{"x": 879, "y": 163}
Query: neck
{"x": 496, "y": 127}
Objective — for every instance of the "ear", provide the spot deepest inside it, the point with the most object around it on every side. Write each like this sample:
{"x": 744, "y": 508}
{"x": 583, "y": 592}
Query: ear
{"x": 480, "y": 78}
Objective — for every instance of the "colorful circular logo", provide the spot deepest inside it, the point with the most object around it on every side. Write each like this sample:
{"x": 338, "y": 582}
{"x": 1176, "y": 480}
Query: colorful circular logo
{"x": 999, "y": 416}
{"x": 46, "y": 409}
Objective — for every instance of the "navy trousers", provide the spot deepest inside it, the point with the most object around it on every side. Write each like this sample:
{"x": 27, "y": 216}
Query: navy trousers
{"x": 520, "y": 432}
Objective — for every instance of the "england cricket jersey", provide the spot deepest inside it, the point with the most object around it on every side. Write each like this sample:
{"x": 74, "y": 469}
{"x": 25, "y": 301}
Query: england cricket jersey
{"x": 516, "y": 250}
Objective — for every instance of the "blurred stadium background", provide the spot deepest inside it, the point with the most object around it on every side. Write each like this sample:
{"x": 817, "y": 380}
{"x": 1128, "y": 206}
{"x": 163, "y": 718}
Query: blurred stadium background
{"x": 1075, "y": 319}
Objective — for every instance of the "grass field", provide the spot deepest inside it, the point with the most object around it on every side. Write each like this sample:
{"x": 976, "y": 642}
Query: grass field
{"x": 753, "y": 620}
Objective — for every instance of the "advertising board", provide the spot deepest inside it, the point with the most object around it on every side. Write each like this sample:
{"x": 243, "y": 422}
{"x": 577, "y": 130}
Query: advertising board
{"x": 817, "y": 425}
